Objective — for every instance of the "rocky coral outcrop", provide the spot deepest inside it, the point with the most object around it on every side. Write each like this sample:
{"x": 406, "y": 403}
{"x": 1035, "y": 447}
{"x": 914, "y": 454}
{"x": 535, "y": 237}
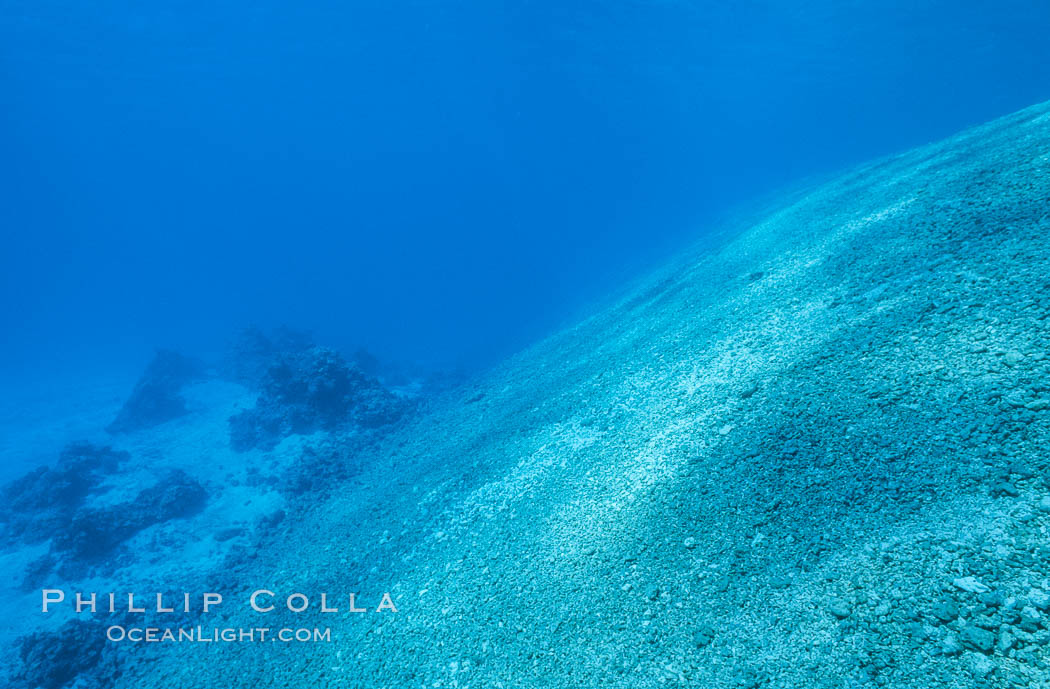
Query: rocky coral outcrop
{"x": 76, "y": 651}
{"x": 38, "y": 504}
{"x": 56, "y": 504}
{"x": 92, "y": 534}
{"x": 157, "y": 396}
{"x": 309, "y": 391}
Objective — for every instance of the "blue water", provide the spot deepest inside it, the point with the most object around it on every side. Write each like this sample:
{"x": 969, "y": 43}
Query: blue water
{"x": 438, "y": 182}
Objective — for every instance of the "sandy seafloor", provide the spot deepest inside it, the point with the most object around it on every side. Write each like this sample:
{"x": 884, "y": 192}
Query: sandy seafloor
{"x": 813, "y": 455}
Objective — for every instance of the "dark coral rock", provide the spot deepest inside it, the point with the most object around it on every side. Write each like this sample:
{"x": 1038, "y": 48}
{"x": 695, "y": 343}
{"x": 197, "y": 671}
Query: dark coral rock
{"x": 375, "y": 407}
{"x": 35, "y": 505}
{"x": 312, "y": 390}
{"x": 271, "y": 520}
{"x": 176, "y": 497}
{"x": 37, "y": 572}
{"x": 315, "y": 388}
{"x": 53, "y": 660}
{"x": 157, "y": 396}
{"x": 262, "y": 427}
{"x": 80, "y": 467}
{"x": 318, "y": 470}
{"x": 92, "y": 534}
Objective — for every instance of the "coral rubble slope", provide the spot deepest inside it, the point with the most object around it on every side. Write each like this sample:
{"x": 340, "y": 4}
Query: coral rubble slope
{"x": 814, "y": 455}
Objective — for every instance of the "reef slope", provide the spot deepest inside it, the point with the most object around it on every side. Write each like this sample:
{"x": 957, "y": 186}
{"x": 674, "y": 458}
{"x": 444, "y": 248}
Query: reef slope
{"x": 812, "y": 455}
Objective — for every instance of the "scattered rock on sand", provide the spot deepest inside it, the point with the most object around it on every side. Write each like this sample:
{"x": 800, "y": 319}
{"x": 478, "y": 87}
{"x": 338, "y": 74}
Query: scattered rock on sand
{"x": 971, "y": 585}
{"x": 977, "y": 639}
{"x": 839, "y": 608}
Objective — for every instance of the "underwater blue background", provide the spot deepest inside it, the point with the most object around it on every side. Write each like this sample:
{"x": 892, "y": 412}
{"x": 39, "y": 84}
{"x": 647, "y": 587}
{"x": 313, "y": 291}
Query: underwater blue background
{"x": 439, "y": 182}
